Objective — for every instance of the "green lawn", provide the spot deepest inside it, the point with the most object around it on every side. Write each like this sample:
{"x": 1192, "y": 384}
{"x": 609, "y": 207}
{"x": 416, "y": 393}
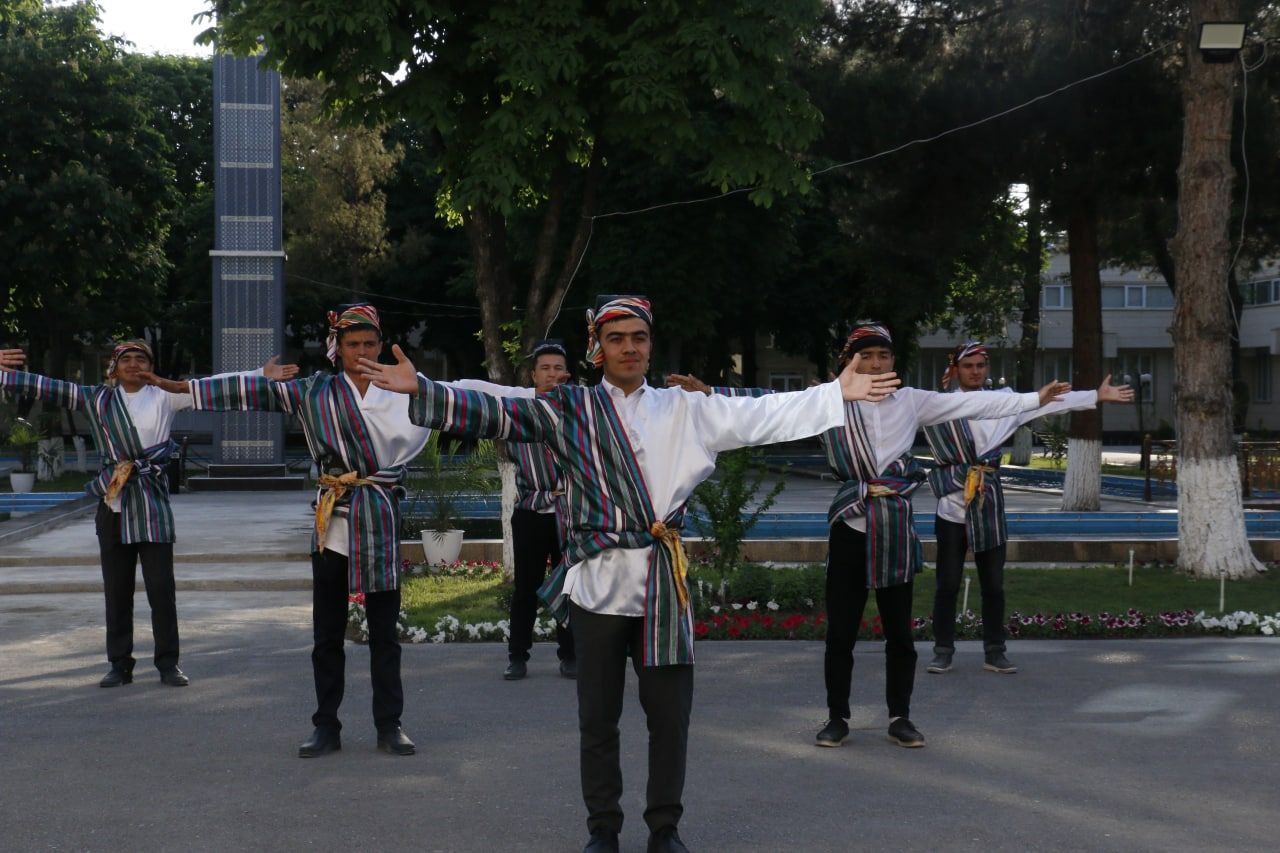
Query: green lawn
{"x": 1086, "y": 590}
{"x": 1043, "y": 462}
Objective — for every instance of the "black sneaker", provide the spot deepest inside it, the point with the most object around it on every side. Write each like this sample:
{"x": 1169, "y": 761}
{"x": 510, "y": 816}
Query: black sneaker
{"x": 941, "y": 663}
{"x": 116, "y": 677}
{"x": 833, "y": 733}
{"x": 903, "y": 733}
{"x": 666, "y": 840}
{"x": 515, "y": 670}
{"x": 997, "y": 662}
{"x": 569, "y": 668}
{"x": 602, "y": 841}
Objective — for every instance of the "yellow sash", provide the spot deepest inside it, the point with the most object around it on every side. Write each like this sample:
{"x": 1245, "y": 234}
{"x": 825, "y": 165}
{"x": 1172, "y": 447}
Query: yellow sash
{"x": 670, "y": 537}
{"x": 123, "y": 471}
{"x": 975, "y": 484}
{"x": 334, "y": 489}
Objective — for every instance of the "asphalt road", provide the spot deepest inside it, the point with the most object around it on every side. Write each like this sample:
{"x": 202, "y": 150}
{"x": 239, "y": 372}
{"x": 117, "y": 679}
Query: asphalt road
{"x": 1095, "y": 745}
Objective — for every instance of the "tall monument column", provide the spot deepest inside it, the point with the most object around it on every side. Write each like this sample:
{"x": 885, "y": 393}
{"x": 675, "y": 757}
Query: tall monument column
{"x": 248, "y": 267}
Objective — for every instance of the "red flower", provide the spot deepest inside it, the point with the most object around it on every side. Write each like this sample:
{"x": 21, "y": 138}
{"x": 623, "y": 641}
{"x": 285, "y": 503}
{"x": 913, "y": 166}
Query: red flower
{"x": 733, "y": 631}
{"x": 700, "y": 629}
{"x": 795, "y": 620}
{"x": 356, "y": 597}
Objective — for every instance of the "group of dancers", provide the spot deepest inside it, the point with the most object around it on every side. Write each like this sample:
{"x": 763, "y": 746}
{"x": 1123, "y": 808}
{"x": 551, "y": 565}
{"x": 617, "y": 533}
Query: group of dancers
{"x": 604, "y": 474}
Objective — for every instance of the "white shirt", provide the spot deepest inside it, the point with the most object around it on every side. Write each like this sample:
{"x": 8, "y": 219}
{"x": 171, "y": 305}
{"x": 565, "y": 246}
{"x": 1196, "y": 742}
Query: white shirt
{"x": 991, "y": 434}
{"x": 893, "y": 422}
{"x": 676, "y": 435}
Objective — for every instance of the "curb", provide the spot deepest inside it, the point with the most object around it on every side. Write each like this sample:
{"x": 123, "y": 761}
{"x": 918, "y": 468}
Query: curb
{"x": 50, "y": 519}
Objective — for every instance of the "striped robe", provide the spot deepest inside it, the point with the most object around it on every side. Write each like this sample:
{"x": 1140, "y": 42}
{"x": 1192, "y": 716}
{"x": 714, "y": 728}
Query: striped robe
{"x": 339, "y": 441}
{"x": 893, "y": 547}
{"x": 956, "y": 452}
{"x": 537, "y": 478}
{"x": 607, "y": 500}
{"x": 145, "y": 514}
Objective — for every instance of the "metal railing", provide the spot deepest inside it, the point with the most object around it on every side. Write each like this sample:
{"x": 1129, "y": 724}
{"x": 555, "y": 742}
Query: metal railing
{"x": 1259, "y": 463}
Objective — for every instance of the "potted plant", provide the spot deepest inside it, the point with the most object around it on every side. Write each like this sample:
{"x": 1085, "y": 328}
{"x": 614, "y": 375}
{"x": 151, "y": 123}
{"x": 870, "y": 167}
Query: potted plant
{"x": 50, "y": 453}
{"x": 24, "y": 440}
{"x": 440, "y": 483}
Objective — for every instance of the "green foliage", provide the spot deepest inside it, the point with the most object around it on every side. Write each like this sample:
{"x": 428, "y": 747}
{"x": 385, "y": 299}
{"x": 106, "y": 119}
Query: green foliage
{"x": 1054, "y": 433}
{"x": 724, "y": 500}
{"x": 441, "y": 480}
{"x": 23, "y": 440}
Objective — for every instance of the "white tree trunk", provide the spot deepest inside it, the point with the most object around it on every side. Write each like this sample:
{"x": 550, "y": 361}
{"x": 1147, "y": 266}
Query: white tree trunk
{"x": 1021, "y": 453}
{"x": 507, "y": 471}
{"x": 1211, "y": 533}
{"x": 1083, "y": 487}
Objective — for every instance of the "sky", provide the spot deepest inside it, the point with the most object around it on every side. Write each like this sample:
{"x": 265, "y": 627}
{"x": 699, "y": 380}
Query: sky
{"x": 156, "y": 26}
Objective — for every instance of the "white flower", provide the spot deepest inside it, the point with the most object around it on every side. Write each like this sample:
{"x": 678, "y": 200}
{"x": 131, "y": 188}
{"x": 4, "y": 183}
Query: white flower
{"x": 772, "y": 605}
{"x": 751, "y": 605}
{"x": 737, "y": 606}
{"x": 715, "y": 608}
{"x": 1268, "y": 630}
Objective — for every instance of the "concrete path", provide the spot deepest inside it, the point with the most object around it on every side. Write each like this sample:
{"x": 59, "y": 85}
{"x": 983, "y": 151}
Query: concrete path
{"x": 1095, "y": 745}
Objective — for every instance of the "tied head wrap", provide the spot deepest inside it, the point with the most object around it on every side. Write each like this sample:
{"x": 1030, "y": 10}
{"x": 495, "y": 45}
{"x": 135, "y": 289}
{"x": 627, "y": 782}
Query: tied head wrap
{"x": 552, "y": 345}
{"x": 962, "y": 351}
{"x": 867, "y": 333}
{"x": 344, "y": 318}
{"x": 613, "y": 308}
{"x": 121, "y": 349}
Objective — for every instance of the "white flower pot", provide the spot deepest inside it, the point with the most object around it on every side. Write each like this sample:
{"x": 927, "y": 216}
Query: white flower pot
{"x": 441, "y": 549}
{"x": 22, "y": 482}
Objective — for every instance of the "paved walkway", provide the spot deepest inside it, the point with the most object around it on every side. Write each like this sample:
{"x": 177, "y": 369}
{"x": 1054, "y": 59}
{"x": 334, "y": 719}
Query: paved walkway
{"x": 1095, "y": 745}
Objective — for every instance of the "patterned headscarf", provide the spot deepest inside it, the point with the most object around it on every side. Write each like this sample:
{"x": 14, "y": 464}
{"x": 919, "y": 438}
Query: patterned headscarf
{"x": 554, "y": 345}
{"x": 345, "y": 317}
{"x": 962, "y": 351}
{"x": 867, "y": 333}
{"x": 613, "y": 308}
{"x": 122, "y": 348}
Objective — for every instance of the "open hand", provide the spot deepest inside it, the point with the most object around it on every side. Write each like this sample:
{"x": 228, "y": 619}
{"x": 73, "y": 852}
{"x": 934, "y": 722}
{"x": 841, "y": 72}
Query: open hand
{"x": 872, "y": 387}
{"x": 12, "y": 358}
{"x": 688, "y": 383}
{"x": 400, "y": 377}
{"x": 1108, "y": 393}
{"x": 1053, "y": 392}
{"x": 278, "y": 372}
{"x": 173, "y": 386}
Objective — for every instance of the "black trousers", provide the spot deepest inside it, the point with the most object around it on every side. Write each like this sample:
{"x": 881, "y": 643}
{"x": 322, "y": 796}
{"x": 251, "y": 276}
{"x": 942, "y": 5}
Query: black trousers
{"x": 119, "y": 573}
{"x": 535, "y": 540}
{"x": 846, "y": 599}
{"x": 604, "y": 643}
{"x": 328, "y": 657}
{"x": 953, "y": 543}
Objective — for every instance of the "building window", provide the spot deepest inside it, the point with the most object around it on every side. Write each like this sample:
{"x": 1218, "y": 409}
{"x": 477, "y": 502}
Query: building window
{"x": 1056, "y": 296}
{"x": 1135, "y": 296}
{"x": 786, "y": 381}
{"x": 1113, "y": 297}
{"x": 1159, "y": 296}
{"x": 1055, "y": 368}
{"x": 1262, "y": 377}
{"x": 1135, "y": 365}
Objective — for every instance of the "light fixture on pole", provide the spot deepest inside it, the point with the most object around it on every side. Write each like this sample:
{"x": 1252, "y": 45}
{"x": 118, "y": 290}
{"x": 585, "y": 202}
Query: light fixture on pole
{"x": 1220, "y": 41}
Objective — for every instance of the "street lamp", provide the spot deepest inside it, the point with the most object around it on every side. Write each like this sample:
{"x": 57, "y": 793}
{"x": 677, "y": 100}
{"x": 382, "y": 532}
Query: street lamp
{"x": 1220, "y": 41}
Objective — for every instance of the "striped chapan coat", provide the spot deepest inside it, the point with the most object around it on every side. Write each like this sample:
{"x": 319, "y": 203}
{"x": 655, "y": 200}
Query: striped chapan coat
{"x": 339, "y": 441}
{"x": 608, "y": 501}
{"x": 145, "y": 514}
{"x": 956, "y": 452}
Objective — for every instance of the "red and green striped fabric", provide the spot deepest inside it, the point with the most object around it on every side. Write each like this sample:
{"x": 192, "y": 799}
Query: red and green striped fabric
{"x": 537, "y": 479}
{"x": 145, "y": 514}
{"x": 339, "y": 443}
{"x": 606, "y": 501}
{"x": 955, "y": 451}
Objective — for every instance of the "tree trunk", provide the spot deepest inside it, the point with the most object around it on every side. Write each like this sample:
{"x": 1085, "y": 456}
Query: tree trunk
{"x": 507, "y": 471}
{"x": 1211, "y": 534}
{"x": 1082, "y": 489}
{"x": 1029, "y": 343}
{"x": 487, "y": 234}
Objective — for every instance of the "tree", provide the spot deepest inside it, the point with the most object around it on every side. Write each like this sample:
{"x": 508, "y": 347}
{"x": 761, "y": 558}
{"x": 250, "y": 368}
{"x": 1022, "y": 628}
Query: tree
{"x": 1211, "y": 534}
{"x": 528, "y": 101}
{"x": 84, "y": 185}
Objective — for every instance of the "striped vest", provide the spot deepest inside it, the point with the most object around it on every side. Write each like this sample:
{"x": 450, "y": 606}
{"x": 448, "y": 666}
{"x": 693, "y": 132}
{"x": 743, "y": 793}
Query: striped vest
{"x": 884, "y": 498}
{"x": 954, "y": 449}
{"x": 606, "y": 502}
{"x": 145, "y": 514}
{"x": 339, "y": 442}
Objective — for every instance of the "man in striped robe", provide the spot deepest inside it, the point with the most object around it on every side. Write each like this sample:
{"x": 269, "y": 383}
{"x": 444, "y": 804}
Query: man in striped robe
{"x": 535, "y": 529}
{"x": 970, "y": 514}
{"x": 630, "y": 456}
{"x": 873, "y": 545}
{"x": 130, "y": 420}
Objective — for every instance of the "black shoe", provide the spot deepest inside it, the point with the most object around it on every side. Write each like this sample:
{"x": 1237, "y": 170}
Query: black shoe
{"x": 903, "y": 733}
{"x": 602, "y": 841}
{"x": 322, "y": 742}
{"x": 666, "y": 840}
{"x": 569, "y": 668}
{"x": 116, "y": 677}
{"x": 833, "y": 733}
{"x": 997, "y": 662}
{"x": 515, "y": 670}
{"x": 941, "y": 663}
{"x": 395, "y": 742}
{"x": 174, "y": 678}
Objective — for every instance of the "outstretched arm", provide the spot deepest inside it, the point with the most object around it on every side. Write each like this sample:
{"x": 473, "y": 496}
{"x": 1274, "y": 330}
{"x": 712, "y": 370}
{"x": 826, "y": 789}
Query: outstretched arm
{"x": 181, "y": 399}
{"x": 56, "y": 392}
{"x": 933, "y": 407}
{"x": 12, "y": 359}
{"x": 438, "y": 406}
{"x": 1071, "y": 401}
{"x": 693, "y": 384}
